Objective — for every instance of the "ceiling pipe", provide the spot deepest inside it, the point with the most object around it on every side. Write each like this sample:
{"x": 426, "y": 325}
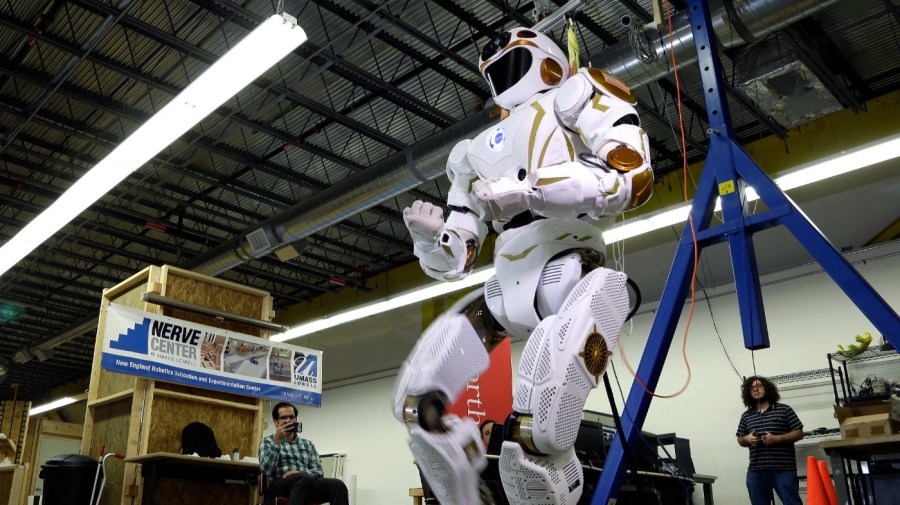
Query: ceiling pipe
{"x": 734, "y": 22}
{"x": 393, "y": 176}
{"x": 426, "y": 160}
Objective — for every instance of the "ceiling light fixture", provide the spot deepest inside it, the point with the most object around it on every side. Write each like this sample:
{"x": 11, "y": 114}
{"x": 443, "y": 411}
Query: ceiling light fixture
{"x": 55, "y": 404}
{"x": 390, "y": 303}
{"x": 262, "y": 48}
{"x": 847, "y": 161}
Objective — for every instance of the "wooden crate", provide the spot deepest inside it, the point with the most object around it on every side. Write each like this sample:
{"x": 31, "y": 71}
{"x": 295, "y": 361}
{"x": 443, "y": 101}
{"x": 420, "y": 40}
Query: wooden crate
{"x": 136, "y": 416}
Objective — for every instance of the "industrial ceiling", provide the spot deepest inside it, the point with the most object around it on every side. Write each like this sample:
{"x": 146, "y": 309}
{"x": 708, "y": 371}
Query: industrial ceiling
{"x": 337, "y": 139}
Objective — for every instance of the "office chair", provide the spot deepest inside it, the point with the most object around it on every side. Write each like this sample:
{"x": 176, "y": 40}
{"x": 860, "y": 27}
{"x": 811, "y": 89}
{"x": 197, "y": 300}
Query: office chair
{"x": 278, "y": 500}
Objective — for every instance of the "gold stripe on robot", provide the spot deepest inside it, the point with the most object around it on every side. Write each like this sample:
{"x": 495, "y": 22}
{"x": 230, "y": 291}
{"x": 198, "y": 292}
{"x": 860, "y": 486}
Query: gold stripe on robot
{"x": 534, "y": 130}
{"x": 517, "y": 257}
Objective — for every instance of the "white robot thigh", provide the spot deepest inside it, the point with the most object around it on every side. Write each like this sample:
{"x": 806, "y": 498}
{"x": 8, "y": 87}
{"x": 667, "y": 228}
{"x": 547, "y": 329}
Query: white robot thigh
{"x": 447, "y": 355}
{"x": 565, "y": 357}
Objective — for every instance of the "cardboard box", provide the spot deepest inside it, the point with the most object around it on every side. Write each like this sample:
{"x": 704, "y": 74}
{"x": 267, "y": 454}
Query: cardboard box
{"x": 866, "y": 419}
{"x": 866, "y": 426}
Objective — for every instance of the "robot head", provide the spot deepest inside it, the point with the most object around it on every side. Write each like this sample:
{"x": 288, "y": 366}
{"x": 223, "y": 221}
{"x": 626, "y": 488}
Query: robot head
{"x": 520, "y": 63}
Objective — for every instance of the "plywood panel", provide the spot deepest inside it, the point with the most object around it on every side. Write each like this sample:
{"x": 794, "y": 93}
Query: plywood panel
{"x": 215, "y": 294}
{"x": 11, "y": 479}
{"x": 183, "y": 492}
{"x": 111, "y": 422}
{"x": 208, "y": 393}
{"x": 232, "y": 427}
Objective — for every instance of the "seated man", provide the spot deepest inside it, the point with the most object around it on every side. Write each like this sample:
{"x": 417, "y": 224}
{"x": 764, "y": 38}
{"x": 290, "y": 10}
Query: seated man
{"x": 292, "y": 466}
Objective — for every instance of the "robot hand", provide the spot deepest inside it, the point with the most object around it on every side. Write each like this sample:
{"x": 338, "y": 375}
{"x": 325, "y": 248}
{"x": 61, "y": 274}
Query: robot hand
{"x": 504, "y": 197}
{"x": 424, "y": 221}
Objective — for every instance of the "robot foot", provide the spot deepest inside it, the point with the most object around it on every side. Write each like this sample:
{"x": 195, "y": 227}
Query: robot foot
{"x": 451, "y": 461}
{"x": 540, "y": 480}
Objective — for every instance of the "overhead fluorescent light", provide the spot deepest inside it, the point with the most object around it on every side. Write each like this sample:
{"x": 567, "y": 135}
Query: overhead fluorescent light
{"x": 847, "y": 161}
{"x": 262, "y": 48}
{"x": 391, "y": 303}
{"x": 55, "y": 404}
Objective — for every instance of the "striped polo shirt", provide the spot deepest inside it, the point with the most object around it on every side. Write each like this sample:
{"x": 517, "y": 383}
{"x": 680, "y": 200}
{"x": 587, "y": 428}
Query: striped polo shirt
{"x": 777, "y": 420}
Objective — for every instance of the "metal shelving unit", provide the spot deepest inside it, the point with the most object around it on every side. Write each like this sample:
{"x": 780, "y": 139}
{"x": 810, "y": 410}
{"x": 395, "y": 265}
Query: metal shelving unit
{"x": 863, "y": 364}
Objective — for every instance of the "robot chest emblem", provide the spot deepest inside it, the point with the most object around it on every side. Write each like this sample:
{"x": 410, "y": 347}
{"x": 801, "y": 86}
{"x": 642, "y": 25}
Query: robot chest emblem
{"x": 496, "y": 139}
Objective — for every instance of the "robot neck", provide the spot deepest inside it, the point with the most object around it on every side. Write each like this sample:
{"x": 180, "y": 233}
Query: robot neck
{"x": 535, "y": 97}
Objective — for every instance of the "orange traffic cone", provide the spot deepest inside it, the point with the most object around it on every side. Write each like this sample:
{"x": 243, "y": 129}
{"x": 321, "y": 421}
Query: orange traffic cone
{"x": 815, "y": 488}
{"x": 829, "y": 485}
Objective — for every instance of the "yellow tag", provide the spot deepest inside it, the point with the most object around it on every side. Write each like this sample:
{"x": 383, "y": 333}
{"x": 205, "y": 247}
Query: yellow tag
{"x": 573, "y": 47}
{"x": 726, "y": 188}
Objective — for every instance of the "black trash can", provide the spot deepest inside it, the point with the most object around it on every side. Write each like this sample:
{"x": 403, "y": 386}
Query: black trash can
{"x": 68, "y": 480}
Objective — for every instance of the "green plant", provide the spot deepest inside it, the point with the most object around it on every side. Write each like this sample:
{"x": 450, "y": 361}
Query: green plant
{"x": 854, "y": 349}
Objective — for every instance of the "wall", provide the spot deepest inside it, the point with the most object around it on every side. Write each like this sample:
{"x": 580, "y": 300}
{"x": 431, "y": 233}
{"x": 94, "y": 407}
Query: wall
{"x": 807, "y": 317}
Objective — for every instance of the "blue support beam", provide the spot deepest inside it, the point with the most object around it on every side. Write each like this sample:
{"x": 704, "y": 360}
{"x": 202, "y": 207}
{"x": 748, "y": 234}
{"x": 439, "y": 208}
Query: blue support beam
{"x": 728, "y": 170}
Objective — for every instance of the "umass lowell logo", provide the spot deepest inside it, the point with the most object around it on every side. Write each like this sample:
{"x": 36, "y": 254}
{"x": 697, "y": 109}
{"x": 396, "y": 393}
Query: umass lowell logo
{"x": 134, "y": 339}
{"x": 306, "y": 368}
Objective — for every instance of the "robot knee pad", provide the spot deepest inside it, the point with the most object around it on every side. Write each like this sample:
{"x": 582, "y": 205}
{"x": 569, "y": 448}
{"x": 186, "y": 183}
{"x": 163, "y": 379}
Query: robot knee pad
{"x": 540, "y": 480}
{"x": 447, "y": 355}
{"x": 608, "y": 301}
{"x": 451, "y": 461}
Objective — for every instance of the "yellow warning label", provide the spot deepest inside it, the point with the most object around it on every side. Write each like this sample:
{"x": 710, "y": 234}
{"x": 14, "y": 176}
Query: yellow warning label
{"x": 726, "y": 187}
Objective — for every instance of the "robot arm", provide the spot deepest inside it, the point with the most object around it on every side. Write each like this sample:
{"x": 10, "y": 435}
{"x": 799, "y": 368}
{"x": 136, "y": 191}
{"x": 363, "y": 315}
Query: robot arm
{"x": 601, "y": 109}
{"x": 448, "y": 249}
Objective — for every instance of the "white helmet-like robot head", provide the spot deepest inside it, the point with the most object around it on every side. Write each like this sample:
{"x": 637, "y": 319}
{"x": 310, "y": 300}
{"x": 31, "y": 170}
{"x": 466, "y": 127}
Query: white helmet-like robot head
{"x": 520, "y": 63}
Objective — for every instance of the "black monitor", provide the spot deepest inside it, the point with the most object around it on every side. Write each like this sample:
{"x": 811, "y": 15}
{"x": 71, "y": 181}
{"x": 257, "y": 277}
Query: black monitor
{"x": 592, "y": 443}
{"x": 645, "y": 450}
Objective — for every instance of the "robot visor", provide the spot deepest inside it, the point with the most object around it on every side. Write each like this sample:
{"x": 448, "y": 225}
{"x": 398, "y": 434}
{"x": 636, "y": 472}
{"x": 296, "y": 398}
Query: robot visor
{"x": 509, "y": 69}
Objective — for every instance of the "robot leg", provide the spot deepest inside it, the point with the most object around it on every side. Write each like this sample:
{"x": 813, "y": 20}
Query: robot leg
{"x": 540, "y": 480}
{"x": 446, "y": 448}
{"x": 562, "y": 362}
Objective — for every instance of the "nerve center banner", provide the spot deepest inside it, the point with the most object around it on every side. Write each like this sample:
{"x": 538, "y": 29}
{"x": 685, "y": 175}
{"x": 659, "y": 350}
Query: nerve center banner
{"x": 141, "y": 343}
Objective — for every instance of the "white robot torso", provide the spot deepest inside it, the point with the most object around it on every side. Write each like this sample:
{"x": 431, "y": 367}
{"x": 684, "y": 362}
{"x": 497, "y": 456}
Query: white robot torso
{"x": 537, "y": 146}
{"x": 528, "y": 138}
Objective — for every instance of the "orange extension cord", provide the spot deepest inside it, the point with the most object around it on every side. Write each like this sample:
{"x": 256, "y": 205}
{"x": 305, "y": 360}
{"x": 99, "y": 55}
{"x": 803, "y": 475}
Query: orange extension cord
{"x": 690, "y": 222}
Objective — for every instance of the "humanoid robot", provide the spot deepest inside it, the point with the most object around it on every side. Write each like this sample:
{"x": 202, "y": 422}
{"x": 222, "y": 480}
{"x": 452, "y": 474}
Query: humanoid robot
{"x": 570, "y": 156}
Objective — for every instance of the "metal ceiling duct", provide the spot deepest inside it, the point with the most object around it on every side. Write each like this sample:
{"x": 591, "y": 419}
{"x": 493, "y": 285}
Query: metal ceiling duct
{"x": 734, "y": 22}
{"x": 749, "y": 19}
{"x": 393, "y": 176}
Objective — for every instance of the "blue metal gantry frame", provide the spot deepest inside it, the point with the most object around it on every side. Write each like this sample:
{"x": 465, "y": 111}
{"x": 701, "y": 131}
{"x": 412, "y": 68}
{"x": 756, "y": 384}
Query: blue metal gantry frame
{"x": 727, "y": 169}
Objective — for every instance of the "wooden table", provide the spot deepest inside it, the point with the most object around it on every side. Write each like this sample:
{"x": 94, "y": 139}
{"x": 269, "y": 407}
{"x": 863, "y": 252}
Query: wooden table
{"x": 180, "y": 466}
{"x": 857, "y": 449}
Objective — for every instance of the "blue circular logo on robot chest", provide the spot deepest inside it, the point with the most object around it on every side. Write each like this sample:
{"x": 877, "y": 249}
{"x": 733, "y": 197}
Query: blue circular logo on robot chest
{"x": 496, "y": 138}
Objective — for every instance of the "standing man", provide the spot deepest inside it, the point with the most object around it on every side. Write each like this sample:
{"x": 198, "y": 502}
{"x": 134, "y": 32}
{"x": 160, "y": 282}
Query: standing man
{"x": 769, "y": 429}
{"x": 292, "y": 466}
